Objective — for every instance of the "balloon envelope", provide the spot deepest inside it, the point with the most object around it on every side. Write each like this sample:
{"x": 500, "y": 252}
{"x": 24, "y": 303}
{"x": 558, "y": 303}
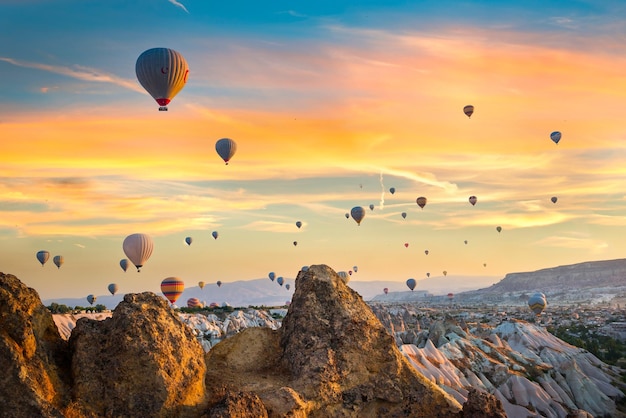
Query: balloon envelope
{"x": 226, "y": 148}
{"x": 43, "y": 256}
{"x": 421, "y": 201}
{"x": 554, "y": 199}
{"x": 124, "y": 264}
{"x": 219, "y": 283}
{"x": 172, "y": 288}
{"x": 355, "y": 268}
{"x": 537, "y": 303}
{"x": 163, "y": 73}
{"x": 194, "y": 303}
{"x": 112, "y": 288}
{"x": 287, "y": 286}
{"x": 392, "y": 190}
{"x": 473, "y": 200}
{"x": 404, "y": 215}
{"x": 499, "y": 228}
{"x": 445, "y": 273}
{"x": 201, "y": 285}
{"x": 215, "y": 234}
{"x": 280, "y": 280}
{"x": 58, "y": 260}
{"x": 555, "y": 136}
{"x": 371, "y": 207}
{"x": 91, "y": 299}
{"x": 411, "y": 284}
{"x": 358, "y": 213}
{"x": 272, "y": 275}
{"x": 386, "y": 290}
{"x": 298, "y": 224}
{"x": 138, "y": 248}
{"x": 188, "y": 240}
{"x": 468, "y": 110}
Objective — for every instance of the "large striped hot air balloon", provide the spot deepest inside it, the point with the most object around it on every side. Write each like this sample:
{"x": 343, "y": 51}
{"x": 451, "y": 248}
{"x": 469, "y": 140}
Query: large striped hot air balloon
{"x": 226, "y": 148}
{"x": 138, "y": 248}
{"x": 43, "y": 256}
{"x": 163, "y": 73}
{"x": 172, "y": 288}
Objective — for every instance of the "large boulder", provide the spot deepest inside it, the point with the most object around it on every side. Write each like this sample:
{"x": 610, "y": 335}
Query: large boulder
{"x": 143, "y": 361}
{"x": 34, "y": 359}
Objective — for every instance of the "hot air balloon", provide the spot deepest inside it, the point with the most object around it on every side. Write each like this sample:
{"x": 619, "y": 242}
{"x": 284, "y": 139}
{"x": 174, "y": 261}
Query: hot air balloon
{"x": 537, "y": 303}
{"x": 298, "y": 224}
{"x": 371, "y": 207}
{"x": 201, "y": 285}
{"x": 172, "y": 288}
{"x": 347, "y": 215}
{"x": 295, "y": 243}
{"x": 219, "y": 283}
{"x": 226, "y": 148}
{"x": 91, "y": 299}
{"x": 188, "y": 240}
{"x": 450, "y": 296}
{"x": 427, "y": 274}
{"x": 124, "y": 264}
{"x": 58, "y": 261}
{"x": 272, "y": 275}
{"x": 421, "y": 201}
{"x": 554, "y": 199}
{"x": 344, "y": 276}
{"x": 468, "y": 110}
{"x": 465, "y": 242}
{"x": 304, "y": 268}
{"x": 386, "y": 290}
{"x": 411, "y": 284}
{"x": 403, "y": 215}
{"x": 280, "y": 280}
{"x": 355, "y": 268}
{"x": 484, "y": 264}
{"x": 163, "y": 73}
{"x": 112, "y": 288}
{"x": 392, "y": 190}
{"x": 555, "y": 136}
{"x": 138, "y": 248}
{"x": 194, "y": 303}
{"x": 43, "y": 256}
{"x": 358, "y": 213}
{"x": 473, "y": 200}
{"x": 445, "y": 273}
{"x": 426, "y": 252}
{"x": 406, "y": 245}
{"x": 287, "y": 286}
{"x": 499, "y": 229}
{"x": 215, "y": 234}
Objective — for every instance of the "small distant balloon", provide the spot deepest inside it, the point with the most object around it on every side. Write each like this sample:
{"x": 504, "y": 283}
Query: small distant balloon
{"x": 403, "y": 215}
{"x": 280, "y": 280}
{"x": 350, "y": 272}
{"x": 299, "y": 224}
{"x": 226, "y": 148}
{"x": 219, "y": 283}
{"x": 58, "y": 261}
{"x": 445, "y": 273}
{"x": 371, "y": 207}
{"x": 215, "y": 234}
{"x": 554, "y": 199}
{"x": 272, "y": 275}
{"x": 392, "y": 190}
{"x": 427, "y": 274}
{"x": 406, "y": 245}
{"x": 411, "y": 284}
{"x": 43, "y": 256}
{"x": 358, "y": 213}
{"x": 450, "y": 296}
{"x": 347, "y": 215}
{"x": 473, "y": 200}
{"x": 287, "y": 286}
{"x": 386, "y": 290}
{"x": 555, "y": 136}
{"x": 426, "y": 252}
{"x": 124, "y": 264}
{"x": 421, "y": 201}
{"x": 188, "y": 240}
{"x": 295, "y": 243}
{"x": 201, "y": 285}
{"x": 355, "y": 268}
{"x": 499, "y": 228}
{"x": 91, "y": 299}
{"x": 465, "y": 242}
{"x": 112, "y": 288}
{"x": 468, "y": 110}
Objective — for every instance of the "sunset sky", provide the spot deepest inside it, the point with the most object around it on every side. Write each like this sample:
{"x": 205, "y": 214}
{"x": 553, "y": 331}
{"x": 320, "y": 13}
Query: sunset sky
{"x": 331, "y": 103}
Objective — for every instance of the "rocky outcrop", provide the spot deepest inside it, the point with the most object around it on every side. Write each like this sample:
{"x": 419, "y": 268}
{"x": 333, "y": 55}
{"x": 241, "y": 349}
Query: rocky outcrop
{"x": 35, "y": 378}
{"x": 143, "y": 361}
{"x": 481, "y": 404}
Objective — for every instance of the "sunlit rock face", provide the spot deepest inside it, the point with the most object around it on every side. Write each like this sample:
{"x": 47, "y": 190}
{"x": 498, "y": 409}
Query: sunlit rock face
{"x": 143, "y": 361}
{"x": 33, "y": 358}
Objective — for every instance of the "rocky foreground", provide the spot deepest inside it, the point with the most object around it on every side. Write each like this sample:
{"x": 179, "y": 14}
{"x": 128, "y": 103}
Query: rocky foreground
{"x": 331, "y": 358}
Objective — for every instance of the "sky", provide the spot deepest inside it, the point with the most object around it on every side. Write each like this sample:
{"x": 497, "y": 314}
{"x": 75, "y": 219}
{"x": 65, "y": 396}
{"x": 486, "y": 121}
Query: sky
{"x": 331, "y": 104}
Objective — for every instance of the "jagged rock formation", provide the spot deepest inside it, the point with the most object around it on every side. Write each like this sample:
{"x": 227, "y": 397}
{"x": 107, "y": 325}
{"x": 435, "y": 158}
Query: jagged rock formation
{"x": 140, "y": 362}
{"x": 33, "y": 358}
{"x": 331, "y": 358}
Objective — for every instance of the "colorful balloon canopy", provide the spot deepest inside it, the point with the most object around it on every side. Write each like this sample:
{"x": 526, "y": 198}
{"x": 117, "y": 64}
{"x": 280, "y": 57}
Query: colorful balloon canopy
{"x": 201, "y": 285}
{"x": 124, "y": 263}
{"x": 91, "y": 299}
{"x": 555, "y": 136}
{"x": 138, "y": 248}
{"x": 537, "y": 303}
{"x": 473, "y": 200}
{"x": 411, "y": 284}
{"x": 450, "y": 295}
{"x": 421, "y": 201}
{"x": 172, "y": 288}
{"x": 43, "y": 256}
{"x": 406, "y": 245}
{"x": 194, "y": 303}
{"x": 58, "y": 260}
{"x": 188, "y": 240}
{"x": 386, "y": 290}
{"x": 112, "y": 288}
{"x": 357, "y": 213}
{"x": 163, "y": 73}
{"x": 226, "y": 148}
{"x": 468, "y": 110}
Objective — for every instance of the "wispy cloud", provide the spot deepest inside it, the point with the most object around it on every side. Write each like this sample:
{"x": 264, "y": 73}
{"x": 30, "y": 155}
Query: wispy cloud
{"x": 78, "y": 72}
{"x": 178, "y": 4}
